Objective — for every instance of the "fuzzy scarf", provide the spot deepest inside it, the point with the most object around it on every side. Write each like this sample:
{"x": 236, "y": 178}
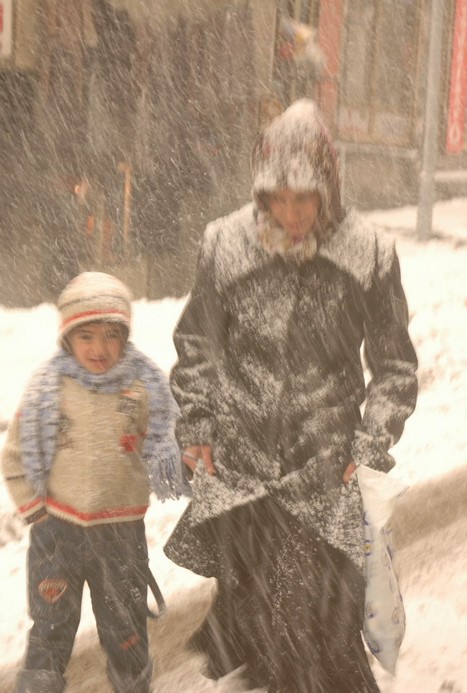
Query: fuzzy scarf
{"x": 276, "y": 241}
{"x": 40, "y": 418}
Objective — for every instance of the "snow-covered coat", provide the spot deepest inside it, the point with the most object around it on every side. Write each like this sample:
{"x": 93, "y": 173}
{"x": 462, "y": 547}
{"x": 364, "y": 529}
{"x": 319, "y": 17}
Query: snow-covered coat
{"x": 270, "y": 374}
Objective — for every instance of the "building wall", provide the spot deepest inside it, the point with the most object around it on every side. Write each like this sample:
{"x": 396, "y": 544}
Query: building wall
{"x": 373, "y": 94}
{"x": 381, "y": 102}
{"x": 128, "y": 125}
{"x": 142, "y": 121}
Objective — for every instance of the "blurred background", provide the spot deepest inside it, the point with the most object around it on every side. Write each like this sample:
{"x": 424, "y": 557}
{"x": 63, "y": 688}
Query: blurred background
{"x": 126, "y": 125}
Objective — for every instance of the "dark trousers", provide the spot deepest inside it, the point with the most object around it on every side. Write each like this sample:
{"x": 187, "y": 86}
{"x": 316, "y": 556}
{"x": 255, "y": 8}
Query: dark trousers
{"x": 113, "y": 560}
{"x": 288, "y": 605}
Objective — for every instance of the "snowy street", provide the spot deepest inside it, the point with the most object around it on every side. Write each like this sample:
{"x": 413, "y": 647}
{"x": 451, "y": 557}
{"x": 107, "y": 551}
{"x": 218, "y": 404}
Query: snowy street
{"x": 430, "y": 528}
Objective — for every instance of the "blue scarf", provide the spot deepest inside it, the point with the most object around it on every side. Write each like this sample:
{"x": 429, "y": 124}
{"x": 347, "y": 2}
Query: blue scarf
{"x": 40, "y": 418}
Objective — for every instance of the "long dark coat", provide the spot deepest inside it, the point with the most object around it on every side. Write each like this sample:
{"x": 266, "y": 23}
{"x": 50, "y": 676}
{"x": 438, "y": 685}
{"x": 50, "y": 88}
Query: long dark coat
{"x": 270, "y": 375}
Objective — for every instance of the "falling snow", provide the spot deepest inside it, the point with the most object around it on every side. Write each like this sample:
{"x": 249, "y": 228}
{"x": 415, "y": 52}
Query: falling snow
{"x": 431, "y": 459}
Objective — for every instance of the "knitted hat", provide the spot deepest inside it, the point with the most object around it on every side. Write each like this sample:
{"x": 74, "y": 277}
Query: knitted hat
{"x": 93, "y": 296}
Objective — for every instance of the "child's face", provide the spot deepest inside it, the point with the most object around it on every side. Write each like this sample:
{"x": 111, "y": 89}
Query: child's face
{"x": 97, "y": 346}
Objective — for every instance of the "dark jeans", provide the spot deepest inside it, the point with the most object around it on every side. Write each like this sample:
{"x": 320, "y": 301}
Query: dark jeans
{"x": 289, "y": 606}
{"x": 113, "y": 560}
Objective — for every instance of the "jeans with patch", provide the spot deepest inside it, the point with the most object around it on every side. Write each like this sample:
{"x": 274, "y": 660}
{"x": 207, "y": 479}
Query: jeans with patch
{"x": 113, "y": 560}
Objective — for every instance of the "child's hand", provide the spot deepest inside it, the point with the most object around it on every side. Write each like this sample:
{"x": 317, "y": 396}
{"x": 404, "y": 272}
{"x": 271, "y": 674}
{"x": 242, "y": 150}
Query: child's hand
{"x": 349, "y": 470}
{"x": 192, "y": 454}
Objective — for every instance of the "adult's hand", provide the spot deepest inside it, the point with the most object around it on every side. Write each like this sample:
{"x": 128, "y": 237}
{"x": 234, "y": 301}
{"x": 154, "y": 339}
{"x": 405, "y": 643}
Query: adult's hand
{"x": 193, "y": 453}
{"x": 349, "y": 470}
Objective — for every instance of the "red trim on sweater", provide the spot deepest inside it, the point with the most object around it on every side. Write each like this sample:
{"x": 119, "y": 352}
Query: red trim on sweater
{"x": 96, "y": 516}
{"x": 23, "y": 509}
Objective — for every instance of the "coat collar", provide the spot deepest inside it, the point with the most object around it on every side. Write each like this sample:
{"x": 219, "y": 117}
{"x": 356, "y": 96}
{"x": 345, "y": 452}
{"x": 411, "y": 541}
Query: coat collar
{"x": 354, "y": 248}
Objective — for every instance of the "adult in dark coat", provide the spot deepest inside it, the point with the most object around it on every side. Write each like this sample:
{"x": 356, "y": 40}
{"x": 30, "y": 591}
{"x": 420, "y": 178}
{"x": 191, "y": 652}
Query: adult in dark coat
{"x": 270, "y": 383}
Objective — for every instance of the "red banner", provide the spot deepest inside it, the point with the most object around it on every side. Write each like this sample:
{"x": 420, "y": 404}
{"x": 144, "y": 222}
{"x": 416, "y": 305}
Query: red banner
{"x": 5, "y": 28}
{"x": 458, "y": 86}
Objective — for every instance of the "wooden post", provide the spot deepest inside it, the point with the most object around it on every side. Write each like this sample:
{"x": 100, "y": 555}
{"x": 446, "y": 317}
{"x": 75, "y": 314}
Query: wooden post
{"x": 125, "y": 168}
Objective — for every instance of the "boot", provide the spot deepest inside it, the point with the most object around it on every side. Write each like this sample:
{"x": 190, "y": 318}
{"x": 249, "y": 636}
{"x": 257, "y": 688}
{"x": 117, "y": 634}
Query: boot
{"x": 39, "y": 681}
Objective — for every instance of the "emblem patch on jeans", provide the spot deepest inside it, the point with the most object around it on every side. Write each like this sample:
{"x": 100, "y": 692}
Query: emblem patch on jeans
{"x": 52, "y": 589}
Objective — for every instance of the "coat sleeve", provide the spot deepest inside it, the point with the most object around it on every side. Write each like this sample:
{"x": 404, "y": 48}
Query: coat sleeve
{"x": 390, "y": 356}
{"x": 198, "y": 338}
{"x": 29, "y": 505}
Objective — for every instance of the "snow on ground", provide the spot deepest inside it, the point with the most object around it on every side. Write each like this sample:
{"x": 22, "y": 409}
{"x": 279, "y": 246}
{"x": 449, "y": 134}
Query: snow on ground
{"x": 434, "y": 275}
{"x": 434, "y": 654}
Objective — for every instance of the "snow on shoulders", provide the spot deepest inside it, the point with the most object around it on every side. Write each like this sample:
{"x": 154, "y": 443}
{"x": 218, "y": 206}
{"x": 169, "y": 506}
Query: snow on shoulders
{"x": 355, "y": 246}
{"x": 228, "y": 226}
{"x": 234, "y": 244}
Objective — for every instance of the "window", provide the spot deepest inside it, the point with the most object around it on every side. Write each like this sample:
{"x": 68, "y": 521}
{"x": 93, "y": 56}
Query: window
{"x": 378, "y": 71}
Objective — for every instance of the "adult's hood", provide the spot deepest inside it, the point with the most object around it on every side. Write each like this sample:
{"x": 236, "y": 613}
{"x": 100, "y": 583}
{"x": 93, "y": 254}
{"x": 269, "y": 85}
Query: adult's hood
{"x": 295, "y": 151}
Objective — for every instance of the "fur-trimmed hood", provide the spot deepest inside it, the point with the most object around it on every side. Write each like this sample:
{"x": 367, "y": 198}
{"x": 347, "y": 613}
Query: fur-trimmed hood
{"x": 295, "y": 151}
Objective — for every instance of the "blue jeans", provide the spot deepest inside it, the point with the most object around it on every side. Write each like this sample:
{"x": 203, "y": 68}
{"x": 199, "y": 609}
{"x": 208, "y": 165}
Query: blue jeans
{"x": 113, "y": 560}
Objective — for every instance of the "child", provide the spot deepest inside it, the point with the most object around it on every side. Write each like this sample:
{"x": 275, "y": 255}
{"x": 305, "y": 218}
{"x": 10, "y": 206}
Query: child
{"x": 93, "y": 436}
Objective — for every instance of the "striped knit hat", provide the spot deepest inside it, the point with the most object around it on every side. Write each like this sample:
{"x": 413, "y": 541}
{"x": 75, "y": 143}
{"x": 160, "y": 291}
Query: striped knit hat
{"x": 93, "y": 296}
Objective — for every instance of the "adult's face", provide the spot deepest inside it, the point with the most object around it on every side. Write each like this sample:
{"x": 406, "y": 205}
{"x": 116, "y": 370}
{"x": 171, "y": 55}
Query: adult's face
{"x": 296, "y": 212}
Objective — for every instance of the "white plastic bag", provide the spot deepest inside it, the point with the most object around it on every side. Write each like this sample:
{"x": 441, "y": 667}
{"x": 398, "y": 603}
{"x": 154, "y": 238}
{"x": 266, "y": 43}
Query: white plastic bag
{"x": 384, "y": 621}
